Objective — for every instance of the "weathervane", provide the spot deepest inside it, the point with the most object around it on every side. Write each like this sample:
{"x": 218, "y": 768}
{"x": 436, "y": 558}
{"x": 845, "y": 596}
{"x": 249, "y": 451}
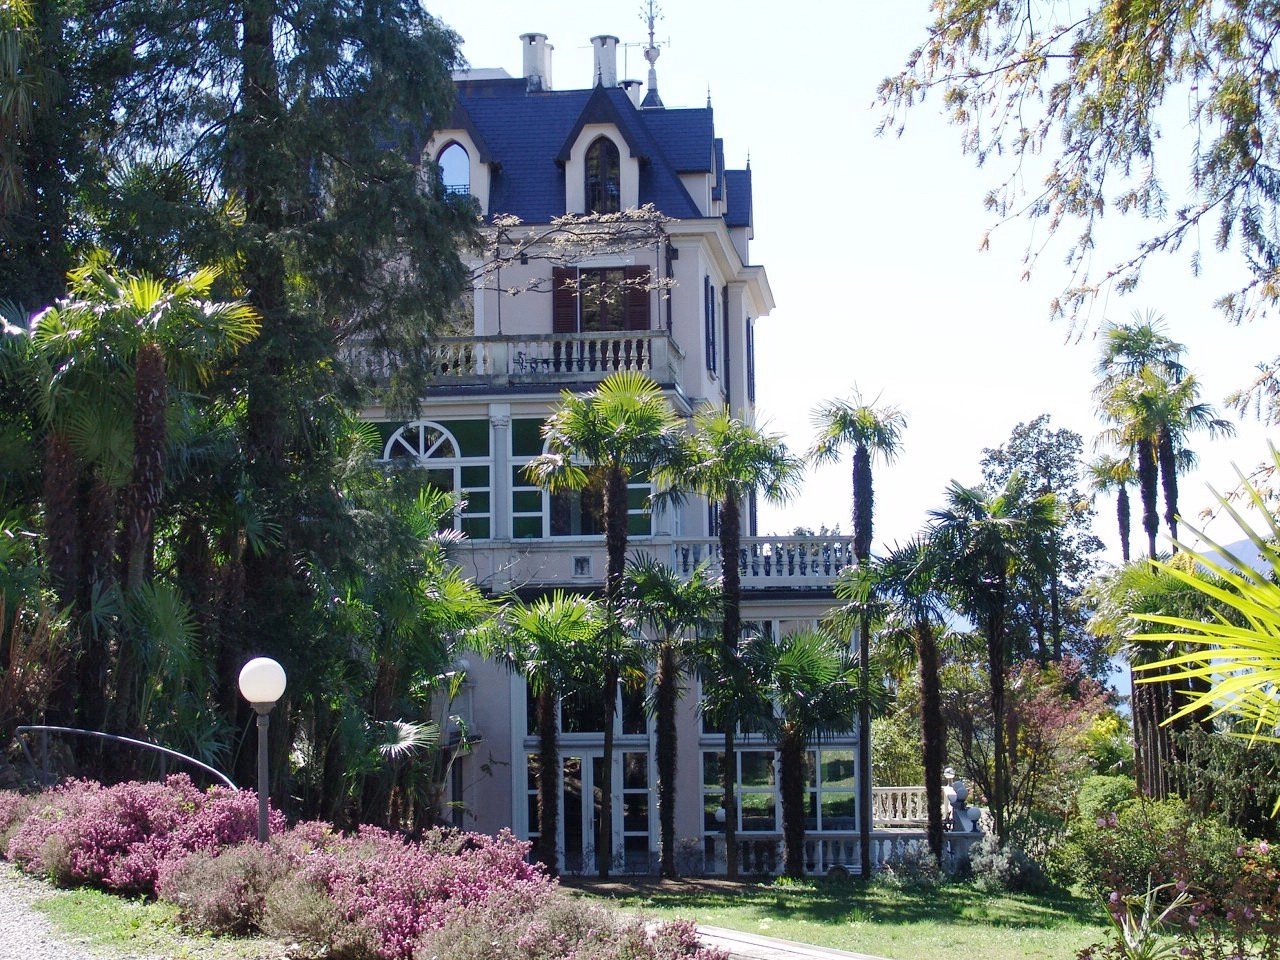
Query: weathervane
{"x": 652, "y": 15}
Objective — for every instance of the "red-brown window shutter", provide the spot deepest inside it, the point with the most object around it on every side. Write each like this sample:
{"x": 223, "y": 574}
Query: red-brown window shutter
{"x": 637, "y": 298}
{"x": 564, "y": 300}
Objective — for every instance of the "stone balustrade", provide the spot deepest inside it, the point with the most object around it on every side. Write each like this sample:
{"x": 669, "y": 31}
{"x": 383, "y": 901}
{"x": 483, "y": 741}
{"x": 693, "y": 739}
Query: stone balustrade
{"x": 772, "y": 561}
{"x": 831, "y": 853}
{"x": 899, "y": 806}
{"x": 555, "y": 358}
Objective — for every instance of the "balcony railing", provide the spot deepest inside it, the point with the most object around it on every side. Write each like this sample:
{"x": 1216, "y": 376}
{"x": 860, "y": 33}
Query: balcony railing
{"x": 765, "y": 562}
{"x": 556, "y": 358}
{"x": 827, "y": 853}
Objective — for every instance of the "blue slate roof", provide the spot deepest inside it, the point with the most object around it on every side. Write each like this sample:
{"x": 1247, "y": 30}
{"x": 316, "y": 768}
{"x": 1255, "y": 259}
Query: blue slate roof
{"x": 525, "y": 136}
{"x": 737, "y": 212}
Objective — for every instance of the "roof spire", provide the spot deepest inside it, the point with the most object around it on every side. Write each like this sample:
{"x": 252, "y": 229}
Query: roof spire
{"x": 651, "y": 53}
{"x": 708, "y": 96}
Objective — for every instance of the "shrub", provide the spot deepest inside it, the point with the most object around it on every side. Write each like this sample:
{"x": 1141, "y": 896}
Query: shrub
{"x": 1142, "y": 842}
{"x": 222, "y": 892}
{"x": 119, "y": 837}
{"x": 914, "y": 867}
{"x": 1099, "y": 796}
{"x": 560, "y": 928}
{"x": 996, "y": 868}
{"x": 14, "y": 809}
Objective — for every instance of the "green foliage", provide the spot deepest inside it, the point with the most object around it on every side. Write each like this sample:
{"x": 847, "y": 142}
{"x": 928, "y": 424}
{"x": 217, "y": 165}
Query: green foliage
{"x": 1089, "y": 88}
{"x": 914, "y": 867}
{"x": 1236, "y": 780}
{"x": 1143, "y": 841}
{"x": 895, "y": 748}
{"x": 1100, "y": 796}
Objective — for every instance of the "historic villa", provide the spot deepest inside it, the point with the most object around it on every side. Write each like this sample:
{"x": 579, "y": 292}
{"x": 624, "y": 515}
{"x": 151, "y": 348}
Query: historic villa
{"x": 681, "y": 305}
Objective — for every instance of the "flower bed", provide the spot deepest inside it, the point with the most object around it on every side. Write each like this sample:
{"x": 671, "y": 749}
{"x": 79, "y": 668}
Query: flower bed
{"x": 367, "y": 894}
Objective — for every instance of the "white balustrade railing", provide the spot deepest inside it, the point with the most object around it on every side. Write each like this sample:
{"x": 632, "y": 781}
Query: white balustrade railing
{"x": 827, "y": 853}
{"x": 899, "y": 806}
{"x": 772, "y": 561}
{"x": 554, "y": 357}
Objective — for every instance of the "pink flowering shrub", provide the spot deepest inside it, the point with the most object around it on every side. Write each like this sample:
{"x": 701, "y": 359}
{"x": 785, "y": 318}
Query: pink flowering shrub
{"x": 120, "y": 837}
{"x": 560, "y": 928}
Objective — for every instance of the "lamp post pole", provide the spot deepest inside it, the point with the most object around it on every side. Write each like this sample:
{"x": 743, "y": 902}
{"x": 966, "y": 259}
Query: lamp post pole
{"x": 262, "y": 683}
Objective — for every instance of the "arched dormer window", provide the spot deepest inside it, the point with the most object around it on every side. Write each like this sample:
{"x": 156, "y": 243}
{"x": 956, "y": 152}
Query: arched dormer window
{"x": 603, "y": 177}
{"x": 455, "y": 168}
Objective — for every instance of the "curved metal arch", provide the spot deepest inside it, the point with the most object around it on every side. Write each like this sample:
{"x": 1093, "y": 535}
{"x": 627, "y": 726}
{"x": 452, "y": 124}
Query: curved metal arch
{"x": 44, "y": 729}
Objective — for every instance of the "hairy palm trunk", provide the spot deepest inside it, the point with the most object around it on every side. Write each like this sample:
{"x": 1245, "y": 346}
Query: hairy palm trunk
{"x": 62, "y": 543}
{"x": 1148, "y": 475}
{"x": 933, "y": 734}
{"x": 791, "y": 745}
{"x": 142, "y": 498}
{"x": 863, "y": 514}
{"x": 731, "y": 634}
{"x": 146, "y": 485}
{"x": 665, "y": 696}
{"x": 1123, "y": 521}
{"x": 615, "y": 524}
{"x": 548, "y": 780}
{"x": 1168, "y": 462}
{"x": 100, "y": 521}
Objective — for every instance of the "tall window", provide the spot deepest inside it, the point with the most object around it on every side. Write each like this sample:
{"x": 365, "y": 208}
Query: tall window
{"x": 603, "y": 177}
{"x": 435, "y": 449}
{"x": 455, "y": 168}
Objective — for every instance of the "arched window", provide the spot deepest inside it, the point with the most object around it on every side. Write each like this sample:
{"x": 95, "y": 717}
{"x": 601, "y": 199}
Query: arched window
{"x": 455, "y": 168}
{"x": 603, "y": 177}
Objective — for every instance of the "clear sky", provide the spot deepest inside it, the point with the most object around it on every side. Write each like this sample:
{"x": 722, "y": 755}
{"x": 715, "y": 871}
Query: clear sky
{"x": 871, "y": 245}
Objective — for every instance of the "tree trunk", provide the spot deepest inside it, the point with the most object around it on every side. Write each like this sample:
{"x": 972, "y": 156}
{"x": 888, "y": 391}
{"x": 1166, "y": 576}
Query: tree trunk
{"x": 1168, "y": 458}
{"x": 665, "y": 697}
{"x": 62, "y": 552}
{"x": 731, "y": 634}
{"x": 548, "y": 780}
{"x": 146, "y": 485}
{"x": 100, "y": 522}
{"x": 995, "y": 663}
{"x": 791, "y": 748}
{"x": 1122, "y": 519}
{"x": 863, "y": 519}
{"x": 1148, "y": 475}
{"x": 933, "y": 734}
{"x": 615, "y": 524}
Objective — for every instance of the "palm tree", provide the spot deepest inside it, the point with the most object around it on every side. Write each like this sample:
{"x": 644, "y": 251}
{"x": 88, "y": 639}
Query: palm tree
{"x": 158, "y": 335}
{"x": 545, "y": 642}
{"x": 672, "y": 608}
{"x": 872, "y": 432}
{"x": 1108, "y": 473}
{"x": 983, "y": 537}
{"x": 813, "y": 683}
{"x": 20, "y": 95}
{"x": 726, "y": 461}
{"x": 906, "y": 585}
{"x": 626, "y": 425}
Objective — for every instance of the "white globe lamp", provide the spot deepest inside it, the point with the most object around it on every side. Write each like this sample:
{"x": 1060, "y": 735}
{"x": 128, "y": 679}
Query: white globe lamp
{"x": 262, "y": 683}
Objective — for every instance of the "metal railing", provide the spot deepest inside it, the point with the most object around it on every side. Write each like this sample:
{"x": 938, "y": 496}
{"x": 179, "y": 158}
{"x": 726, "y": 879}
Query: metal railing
{"x": 164, "y": 752}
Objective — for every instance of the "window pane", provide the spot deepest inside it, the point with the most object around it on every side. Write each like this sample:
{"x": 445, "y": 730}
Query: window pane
{"x": 578, "y": 513}
{"x": 526, "y": 528}
{"x": 712, "y": 763}
{"x": 603, "y": 178}
{"x": 839, "y": 811}
{"x": 811, "y": 768}
{"x": 477, "y": 501}
{"x": 635, "y": 771}
{"x": 640, "y": 525}
{"x": 635, "y": 813}
{"x": 533, "y": 771}
{"x": 838, "y": 769}
{"x": 475, "y": 476}
{"x": 472, "y": 437}
{"x": 534, "y": 823}
{"x": 477, "y": 528}
{"x": 633, "y": 717}
{"x": 582, "y": 713}
{"x": 757, "y": 811}
{"x": 455, "y": 169}
{"x": 637, "y": 498}
{"x": 757, "y": 768}
{"x": 811, "y": 810}
{"x": 527, "y": 501}
{"x": 710, "y": 808}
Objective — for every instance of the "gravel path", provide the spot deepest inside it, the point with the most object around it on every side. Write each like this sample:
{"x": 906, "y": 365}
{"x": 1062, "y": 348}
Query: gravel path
{"x": 26, "y": 934}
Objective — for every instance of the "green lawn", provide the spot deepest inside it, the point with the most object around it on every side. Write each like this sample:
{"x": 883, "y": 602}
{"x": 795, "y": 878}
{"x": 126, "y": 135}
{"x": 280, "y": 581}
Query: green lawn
{"x": 954, "y": 921}
{"x": 113, "y": 923}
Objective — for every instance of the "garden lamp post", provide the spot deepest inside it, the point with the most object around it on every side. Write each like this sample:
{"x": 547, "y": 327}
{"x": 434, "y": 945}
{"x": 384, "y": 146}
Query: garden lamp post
{"x": 262, "y": 683}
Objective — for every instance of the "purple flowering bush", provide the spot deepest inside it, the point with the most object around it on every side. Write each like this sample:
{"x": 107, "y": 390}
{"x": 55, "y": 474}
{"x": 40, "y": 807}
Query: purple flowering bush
{"x": 367, "y": 894}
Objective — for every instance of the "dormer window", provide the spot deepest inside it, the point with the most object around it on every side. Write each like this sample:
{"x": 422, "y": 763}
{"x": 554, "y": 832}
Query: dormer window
{"x": 455, "y": 169}
{"x": 603, "y": 177}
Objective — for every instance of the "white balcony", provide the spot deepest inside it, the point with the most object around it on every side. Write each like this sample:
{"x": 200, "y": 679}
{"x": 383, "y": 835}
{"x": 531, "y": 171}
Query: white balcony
{"x": 556, "y": 359}
{"x": 772, "y": 562}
